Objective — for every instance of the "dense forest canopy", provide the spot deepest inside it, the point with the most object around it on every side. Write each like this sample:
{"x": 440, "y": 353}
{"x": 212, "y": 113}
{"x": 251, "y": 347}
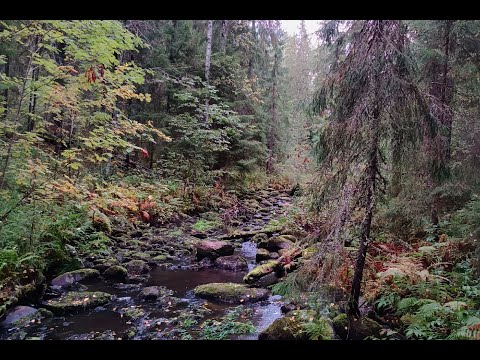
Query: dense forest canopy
{"x": 347, "y": 158}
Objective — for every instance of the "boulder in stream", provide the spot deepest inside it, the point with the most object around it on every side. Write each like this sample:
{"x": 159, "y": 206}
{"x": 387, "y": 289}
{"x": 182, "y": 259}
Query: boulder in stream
{"x": 116, "y": 273}
{"x": 230, "y": 293}
{"x": 213, "y": 249}
{"x": 72, "y": 277}
{"x": 154, "y": 292}
{"x": 77, "y": 301}
{"x": 262, "y": 254}
{"x": 276, "y": 243}
{"x": 232, "y": 262}
{"x": 262, "y": 270}
{"x": 136, "y": 267}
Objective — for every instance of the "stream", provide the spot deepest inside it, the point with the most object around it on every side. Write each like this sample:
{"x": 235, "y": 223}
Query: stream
{"x": 177, "y": 313}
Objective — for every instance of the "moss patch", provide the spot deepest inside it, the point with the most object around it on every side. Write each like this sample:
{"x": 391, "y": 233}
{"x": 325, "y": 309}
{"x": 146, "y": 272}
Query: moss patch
{"x": 230, "y": 293}
{"x": 76, "y": 301}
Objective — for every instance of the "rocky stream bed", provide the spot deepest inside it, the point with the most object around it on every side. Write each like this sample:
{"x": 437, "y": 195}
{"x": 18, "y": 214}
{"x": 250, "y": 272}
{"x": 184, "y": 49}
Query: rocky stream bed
{"x": 170, "y": 282}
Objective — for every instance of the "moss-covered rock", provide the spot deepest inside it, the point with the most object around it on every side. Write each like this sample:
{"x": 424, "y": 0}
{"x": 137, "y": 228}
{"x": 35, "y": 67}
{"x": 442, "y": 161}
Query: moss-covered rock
{"x": 260, "y": 237}
{"x": 116, "y": 273}
{"x": 18, "y": 313}
{"x": 355, "y": 329}
{"x": 262, "y": 254}
{"x": 141, "y": 256}
{"x": 213, "y": 249}
{"x": 230, "y": 293}
{"x": 276, "y": 243}
{"x": 100, "y": 221}
{"x": 160, "y": 258}
{"x": 290, "y": 327}
{"x": 76, "y": 301}
{"x": 154, "y": 292}
{"x": 308, "y": 252}
{"x": 67, "y": 279}
{"x": 261, "y": 270}
{"x": 137, "y": 267}
{"x": 134, "y": 313}
{"x": 103, "y": 264}
{"x": 232, "y": 262}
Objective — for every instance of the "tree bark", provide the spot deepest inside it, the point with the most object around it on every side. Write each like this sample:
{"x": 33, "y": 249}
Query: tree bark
{"x": 442, "y": 89}
{"x": 273, "y": 121}
{"x": 371, "y": 182}
{"x": 223, "y": 36}
{"x": 208, "y": 56}
{"x": 5, "y": 92}
{"x": 252, "y": 55}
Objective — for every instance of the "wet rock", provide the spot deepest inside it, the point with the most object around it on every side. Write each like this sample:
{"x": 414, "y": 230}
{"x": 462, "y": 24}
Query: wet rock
{"x": 150, "y": 293}
{"x": 261, "y": 270}
{"x": 104, "y": 264}
{"x": 292, "y": 327}
{"x": 262, "y": 254}
{"x": 260, "y": 237}
{"x": 18, "y": 313}
{"x": 199, "y": 234}
{"x": 230, "y": 293}
{"x": 205, "y": 263}
{"x": 286, "y": 308}
{"x": 154, "y": 292}
{"x": 266, "y": 280}
{"x": 116, "y": 273}
{"x": 76, "y": 301}
{"x": 134, "y": 313}
{"x": 68, "y": 279}
{"x": 160, "y": 258}
{"x": 274, "y": 255}
{"x": 356, "y": 329}
{"x": 138, "y": 279}
{"x": 276, "y": 243}
{"x": 137, "y": 267}
{"x": 141, "y": 256}
{"x": 213, "y": 249}
{"x": 232, "y": 262}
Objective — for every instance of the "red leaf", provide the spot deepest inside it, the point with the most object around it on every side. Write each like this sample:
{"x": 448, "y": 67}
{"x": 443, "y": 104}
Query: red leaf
{"x": 144, "y": 153}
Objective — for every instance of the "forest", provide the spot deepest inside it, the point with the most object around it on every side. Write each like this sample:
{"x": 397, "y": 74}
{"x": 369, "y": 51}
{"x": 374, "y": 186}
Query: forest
{"x": 231, "y": 180}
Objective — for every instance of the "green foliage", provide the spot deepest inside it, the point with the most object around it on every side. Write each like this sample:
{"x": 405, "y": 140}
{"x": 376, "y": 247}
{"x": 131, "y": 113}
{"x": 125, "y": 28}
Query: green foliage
{"x": 205, "y": 225}
{"x": 227, "y": 326}
{"x": 318, "y": 330}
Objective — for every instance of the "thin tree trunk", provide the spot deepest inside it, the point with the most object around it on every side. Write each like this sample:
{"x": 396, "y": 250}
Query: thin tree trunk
{"x": 442, "y": 89}
{"x": 366, "y": 224}
{"x": 5, "y": 92}
{"x": 223, "y": 36}
{"x": 273, "y": 121}
{"x": 252, "y": 55}
{"x": 33, "y": 102}
{"x": 371, "y": 183}
{"x": 208, "y": 56}
{"x": 396, "y": 182}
